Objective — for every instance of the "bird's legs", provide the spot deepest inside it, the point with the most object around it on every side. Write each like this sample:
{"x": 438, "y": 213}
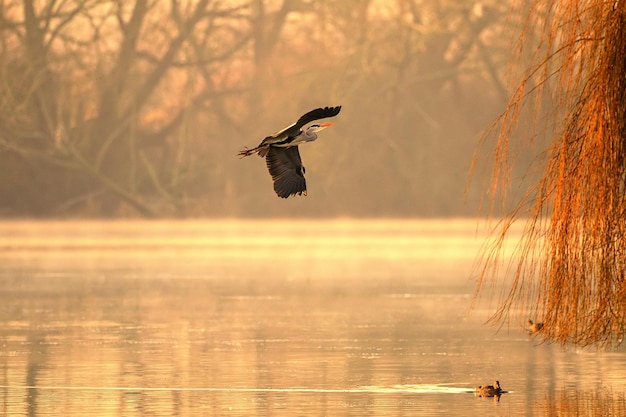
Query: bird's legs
{"x": 261, "y": 150}
{"x": 246, "y": 152}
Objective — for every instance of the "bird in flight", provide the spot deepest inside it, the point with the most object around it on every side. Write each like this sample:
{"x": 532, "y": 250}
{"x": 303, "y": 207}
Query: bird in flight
{"x": 281, "y": 151}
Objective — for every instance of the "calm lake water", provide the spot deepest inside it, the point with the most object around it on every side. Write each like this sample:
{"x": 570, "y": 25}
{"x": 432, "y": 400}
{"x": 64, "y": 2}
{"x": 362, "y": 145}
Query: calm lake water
{"x": 271, "y": 318}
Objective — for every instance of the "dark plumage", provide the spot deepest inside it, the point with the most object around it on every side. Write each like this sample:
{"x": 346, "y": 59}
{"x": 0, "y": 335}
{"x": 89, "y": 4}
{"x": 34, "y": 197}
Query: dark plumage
{"x": 287, "y": 172}
{"x": 489, "y": 390}
{"x": 317, "y": 114}
{"x": 281, "y": 151}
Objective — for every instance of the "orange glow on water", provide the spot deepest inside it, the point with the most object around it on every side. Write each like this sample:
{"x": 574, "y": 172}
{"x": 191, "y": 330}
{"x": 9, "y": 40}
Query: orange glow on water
{"x": 296, "y": 248}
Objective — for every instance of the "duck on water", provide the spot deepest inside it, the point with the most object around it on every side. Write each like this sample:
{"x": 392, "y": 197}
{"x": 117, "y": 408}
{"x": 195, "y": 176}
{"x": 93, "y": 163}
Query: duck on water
{"x": 489, "y": 390}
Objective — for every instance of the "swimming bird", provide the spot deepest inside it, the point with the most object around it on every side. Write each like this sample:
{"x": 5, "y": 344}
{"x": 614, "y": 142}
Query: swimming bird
{"x": 489, "y": 390}
{"x": 534, "y": 327}
{"x": 281, "y": 154}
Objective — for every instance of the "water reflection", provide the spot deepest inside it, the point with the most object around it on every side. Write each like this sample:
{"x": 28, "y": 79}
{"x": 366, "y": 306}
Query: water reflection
{"x": 131, "y": 331}
{"x": 595, "y": 403}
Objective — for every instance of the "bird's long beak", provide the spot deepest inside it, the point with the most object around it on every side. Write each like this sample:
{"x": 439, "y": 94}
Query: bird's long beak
{"x": 324, "y": 126}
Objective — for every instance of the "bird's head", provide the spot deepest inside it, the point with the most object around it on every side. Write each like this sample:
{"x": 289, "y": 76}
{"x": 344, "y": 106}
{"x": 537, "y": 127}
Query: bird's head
{"x": 314, "y": 128}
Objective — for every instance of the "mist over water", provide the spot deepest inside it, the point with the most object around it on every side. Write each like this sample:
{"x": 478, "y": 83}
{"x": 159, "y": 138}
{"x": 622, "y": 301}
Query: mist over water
{"x": 270, "y": 318}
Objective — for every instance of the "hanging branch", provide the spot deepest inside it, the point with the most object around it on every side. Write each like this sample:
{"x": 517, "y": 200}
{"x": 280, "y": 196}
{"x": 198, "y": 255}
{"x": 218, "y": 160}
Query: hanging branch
{"x": 569, "y": 268}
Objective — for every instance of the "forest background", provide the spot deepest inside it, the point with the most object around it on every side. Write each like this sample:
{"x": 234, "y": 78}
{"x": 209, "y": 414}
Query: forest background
{"x": 112, "y": 108}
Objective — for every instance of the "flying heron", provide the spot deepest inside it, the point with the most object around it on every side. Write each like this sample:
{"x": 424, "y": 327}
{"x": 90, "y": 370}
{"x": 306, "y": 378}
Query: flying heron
{"x": 281, "y": 151}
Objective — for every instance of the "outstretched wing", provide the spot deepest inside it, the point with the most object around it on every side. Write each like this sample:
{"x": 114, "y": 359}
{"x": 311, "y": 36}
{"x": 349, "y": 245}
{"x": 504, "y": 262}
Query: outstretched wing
{"x": 294, "y": 129}
{"x": 287, "y": 172}
{"x": 321, "y": 113}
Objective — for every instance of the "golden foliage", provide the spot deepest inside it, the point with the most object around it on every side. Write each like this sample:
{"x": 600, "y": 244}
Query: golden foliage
{"x": 570, "y": 268}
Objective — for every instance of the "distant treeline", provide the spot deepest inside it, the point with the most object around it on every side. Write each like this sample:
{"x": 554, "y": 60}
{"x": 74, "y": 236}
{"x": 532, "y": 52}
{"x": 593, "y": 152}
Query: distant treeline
{"x": 138, "y": 108}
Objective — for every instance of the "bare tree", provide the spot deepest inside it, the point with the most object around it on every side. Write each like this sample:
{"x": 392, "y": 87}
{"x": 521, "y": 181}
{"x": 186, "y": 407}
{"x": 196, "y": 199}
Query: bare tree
{"x": 87, "y": 75}
{"x": 136, "y": 107}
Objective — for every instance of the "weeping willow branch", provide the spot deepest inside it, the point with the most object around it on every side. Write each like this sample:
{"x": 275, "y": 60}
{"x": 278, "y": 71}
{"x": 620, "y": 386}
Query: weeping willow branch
{"x": 570, "y": 267}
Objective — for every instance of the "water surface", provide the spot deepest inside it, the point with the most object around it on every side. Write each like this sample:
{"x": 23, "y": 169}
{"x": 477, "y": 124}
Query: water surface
{"x": 259, "y": 318}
